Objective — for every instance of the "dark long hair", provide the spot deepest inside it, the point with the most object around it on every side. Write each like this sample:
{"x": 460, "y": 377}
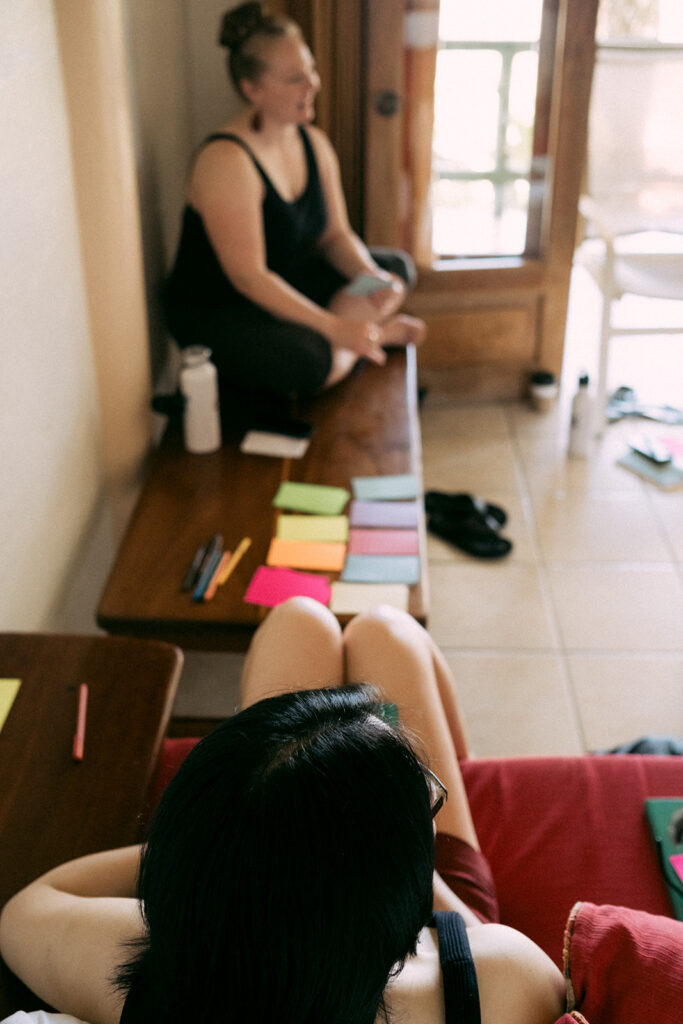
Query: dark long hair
{"x": 288, "y": 868}
{"x": 243, "y": 30}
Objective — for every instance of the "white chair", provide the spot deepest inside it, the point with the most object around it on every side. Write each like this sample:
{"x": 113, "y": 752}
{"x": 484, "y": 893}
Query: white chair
{"x": 634, "y": 202}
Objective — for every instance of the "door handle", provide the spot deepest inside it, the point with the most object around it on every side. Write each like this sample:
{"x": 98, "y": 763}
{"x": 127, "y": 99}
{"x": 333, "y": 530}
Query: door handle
{"x": 386, "y": 102}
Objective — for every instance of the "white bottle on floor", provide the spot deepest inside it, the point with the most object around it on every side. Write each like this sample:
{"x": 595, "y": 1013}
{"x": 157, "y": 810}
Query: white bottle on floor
{"x": 199, "y": 385}
{"x": 581, "y": 424}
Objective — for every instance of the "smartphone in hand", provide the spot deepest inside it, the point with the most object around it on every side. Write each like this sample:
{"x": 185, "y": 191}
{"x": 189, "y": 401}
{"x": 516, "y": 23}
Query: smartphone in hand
{"x": 366, "y": 284}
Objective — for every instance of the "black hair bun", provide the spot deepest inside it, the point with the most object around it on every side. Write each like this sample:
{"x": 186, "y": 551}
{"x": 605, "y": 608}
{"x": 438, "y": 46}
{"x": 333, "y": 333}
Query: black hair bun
{"x": 240, "y": 23}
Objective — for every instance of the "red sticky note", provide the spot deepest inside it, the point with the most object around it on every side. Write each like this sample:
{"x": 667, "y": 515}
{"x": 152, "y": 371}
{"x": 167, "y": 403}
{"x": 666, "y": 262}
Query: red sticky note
{"x": 271, "y": 586}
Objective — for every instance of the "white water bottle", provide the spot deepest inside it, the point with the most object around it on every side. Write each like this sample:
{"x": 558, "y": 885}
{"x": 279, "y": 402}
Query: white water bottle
{"x": 581, "y": 423}
{"x": 199, "y": 385}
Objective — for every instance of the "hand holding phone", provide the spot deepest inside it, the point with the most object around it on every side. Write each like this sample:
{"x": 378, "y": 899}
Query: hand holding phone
{"x": 366, "y": 284}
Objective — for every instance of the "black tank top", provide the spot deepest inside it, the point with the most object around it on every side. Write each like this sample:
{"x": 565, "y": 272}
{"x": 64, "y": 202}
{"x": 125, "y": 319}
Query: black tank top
{"x": 461, "y": 991}
{"x": 291, "y": 231}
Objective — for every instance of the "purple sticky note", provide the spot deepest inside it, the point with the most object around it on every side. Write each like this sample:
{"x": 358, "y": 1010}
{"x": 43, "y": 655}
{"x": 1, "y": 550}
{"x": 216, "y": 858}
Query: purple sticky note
{"x": 390, "y": 514}
{"x": 271, "y": 586}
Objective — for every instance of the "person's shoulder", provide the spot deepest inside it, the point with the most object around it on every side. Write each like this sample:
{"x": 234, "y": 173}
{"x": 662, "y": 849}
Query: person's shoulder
{"x": 518, "y": 982}
{"x": 224, "y": 157}
{"x": 320, "y": 141}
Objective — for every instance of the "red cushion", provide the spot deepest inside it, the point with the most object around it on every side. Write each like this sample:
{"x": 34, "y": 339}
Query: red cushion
{"x": 625, "y": 965}
{"x": 173, "y": 753}
{"x": 559, "y": 830}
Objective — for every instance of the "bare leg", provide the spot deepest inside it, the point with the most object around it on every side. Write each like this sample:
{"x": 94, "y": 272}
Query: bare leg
{"x": 389, "y": 649}
{"x": 298, "y": 646}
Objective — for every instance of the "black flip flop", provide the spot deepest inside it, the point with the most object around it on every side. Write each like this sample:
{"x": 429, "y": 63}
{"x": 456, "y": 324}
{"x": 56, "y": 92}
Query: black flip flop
{"x": 471, "y": 535}
{"x": 460, "y": 506}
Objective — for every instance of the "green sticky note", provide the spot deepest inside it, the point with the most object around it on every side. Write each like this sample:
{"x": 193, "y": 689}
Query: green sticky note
{"x": 9, "y": 688}
{"x": 326, "y": 529}
{"x": 316, "y": 498}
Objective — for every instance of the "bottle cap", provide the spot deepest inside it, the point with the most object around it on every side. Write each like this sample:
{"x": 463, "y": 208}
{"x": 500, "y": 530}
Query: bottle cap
{"x": 542, "y": 377}
{"x": 195, "y": 354}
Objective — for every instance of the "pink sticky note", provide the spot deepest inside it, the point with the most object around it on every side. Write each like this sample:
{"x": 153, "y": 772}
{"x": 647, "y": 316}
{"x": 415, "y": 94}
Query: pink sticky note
{"x": 677, "y": 864}
{"x": 383, "y": 542}
{"x": 271, "y": 586}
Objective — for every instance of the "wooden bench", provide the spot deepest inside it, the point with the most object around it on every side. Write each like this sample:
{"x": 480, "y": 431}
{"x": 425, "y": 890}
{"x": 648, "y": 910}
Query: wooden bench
{"x": 366, "y": 426}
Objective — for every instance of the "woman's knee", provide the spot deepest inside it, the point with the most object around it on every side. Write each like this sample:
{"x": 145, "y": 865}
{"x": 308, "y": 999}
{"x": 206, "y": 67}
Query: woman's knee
{"x": 302, "y": 616}
{"x": 385, "y": 629}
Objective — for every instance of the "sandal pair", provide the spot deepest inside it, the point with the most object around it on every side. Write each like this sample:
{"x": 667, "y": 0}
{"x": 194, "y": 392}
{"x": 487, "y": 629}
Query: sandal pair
{"x": 469, "y": 523}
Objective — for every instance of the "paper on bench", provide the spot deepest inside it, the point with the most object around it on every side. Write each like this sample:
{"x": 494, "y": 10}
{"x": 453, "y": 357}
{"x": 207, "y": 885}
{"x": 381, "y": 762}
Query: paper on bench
{"x": 306, "y": 554}
{"x": 317, "y": 498}
{"x": 396, "y": 514}
{"x": 398, "y": 487}
{"x": 9, "y": 688}
{"x": 320, "y": 528}
{"x": 383, "y": 542}
{"x": 279, "y": 446}
{"x": 352, "y": 598}
{"x": 381, "y": 569}
{"x": 271, "y": 586}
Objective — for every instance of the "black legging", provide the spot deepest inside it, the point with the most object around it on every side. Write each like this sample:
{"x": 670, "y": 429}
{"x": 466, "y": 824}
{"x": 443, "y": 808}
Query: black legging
{"x": 254, "y": 351}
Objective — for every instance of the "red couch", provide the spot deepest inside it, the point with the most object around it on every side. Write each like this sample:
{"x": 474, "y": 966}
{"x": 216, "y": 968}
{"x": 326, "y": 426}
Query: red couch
{"x": 556, "y": 831}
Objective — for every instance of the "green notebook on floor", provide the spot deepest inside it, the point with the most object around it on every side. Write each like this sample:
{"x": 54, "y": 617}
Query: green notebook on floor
{"x": 665, "y": 817}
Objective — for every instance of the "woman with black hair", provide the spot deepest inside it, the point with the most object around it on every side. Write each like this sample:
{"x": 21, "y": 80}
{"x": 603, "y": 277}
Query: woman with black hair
{"x": 289, "y": 871}
{"x": 266, "y": 253}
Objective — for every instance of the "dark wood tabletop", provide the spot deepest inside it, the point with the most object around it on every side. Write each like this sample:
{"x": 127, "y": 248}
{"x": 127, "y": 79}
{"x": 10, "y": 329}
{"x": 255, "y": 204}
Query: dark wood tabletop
{"x": 368, "y": 425}
{"x": 53, "y": 808}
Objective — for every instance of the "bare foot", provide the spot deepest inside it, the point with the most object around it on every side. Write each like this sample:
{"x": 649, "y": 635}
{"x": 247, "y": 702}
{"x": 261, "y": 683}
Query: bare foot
{"x": 403, "y": 330}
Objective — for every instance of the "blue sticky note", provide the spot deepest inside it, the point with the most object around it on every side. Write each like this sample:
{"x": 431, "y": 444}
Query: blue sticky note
{"x": 399, "y": 487}
{"x": 381, "y": 569}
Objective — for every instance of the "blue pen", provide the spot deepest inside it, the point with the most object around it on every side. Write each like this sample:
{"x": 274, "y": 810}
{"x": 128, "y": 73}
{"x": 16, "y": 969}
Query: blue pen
{"x": 206, "y": 575}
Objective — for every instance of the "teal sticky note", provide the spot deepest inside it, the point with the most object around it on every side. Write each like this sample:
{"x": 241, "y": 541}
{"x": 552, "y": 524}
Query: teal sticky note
{"x": 399, "y": 487}
{"x": 381, "y": 569}
{"x": 316, "y": 498}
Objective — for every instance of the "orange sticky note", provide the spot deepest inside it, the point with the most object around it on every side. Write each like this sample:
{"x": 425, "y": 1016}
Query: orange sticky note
{"x": 303, "y": 554}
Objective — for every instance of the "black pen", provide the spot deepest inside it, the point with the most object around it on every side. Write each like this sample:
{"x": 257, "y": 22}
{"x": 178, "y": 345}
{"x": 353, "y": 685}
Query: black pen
{"x": 192, "y": 575}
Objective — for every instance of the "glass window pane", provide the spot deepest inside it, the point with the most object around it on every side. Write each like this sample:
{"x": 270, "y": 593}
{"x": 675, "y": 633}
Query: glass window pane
{"x": 489, "y": 20}
{"x": 466, "y": 223}
{"x": 522, "y": 108}
{"x": 465, "y": 133}
{"x": 485, "y": 105}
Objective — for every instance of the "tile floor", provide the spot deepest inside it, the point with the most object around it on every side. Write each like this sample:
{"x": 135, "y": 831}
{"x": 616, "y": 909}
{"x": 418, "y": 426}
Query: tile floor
{"x": 573, "y": 642}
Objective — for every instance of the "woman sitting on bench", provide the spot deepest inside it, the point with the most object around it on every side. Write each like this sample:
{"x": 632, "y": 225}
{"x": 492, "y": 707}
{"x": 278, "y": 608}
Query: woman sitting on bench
{"x": 269, "y": 274}
{"x": 289, "y": 873}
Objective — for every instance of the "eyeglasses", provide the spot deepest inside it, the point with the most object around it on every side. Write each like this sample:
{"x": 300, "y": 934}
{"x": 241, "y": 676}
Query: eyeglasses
{"x": 438, "y": 794}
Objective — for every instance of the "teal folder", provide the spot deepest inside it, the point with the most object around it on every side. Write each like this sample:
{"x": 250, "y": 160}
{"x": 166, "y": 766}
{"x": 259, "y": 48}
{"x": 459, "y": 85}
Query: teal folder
{"x": 665, "y": 817}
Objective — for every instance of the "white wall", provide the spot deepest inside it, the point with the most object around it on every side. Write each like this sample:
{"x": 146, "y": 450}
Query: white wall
{"x": 180, "y": 93}
{"x": 64, "y": 421}
{"x": 212, "y": 98}
{"x": 50, "y": 469}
